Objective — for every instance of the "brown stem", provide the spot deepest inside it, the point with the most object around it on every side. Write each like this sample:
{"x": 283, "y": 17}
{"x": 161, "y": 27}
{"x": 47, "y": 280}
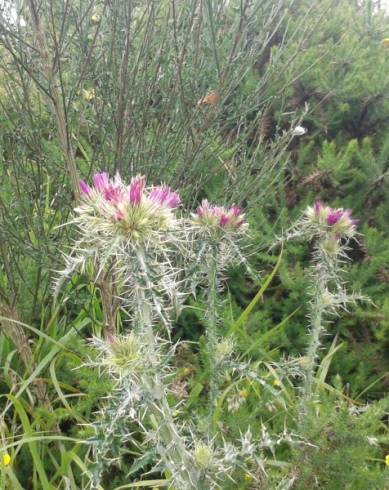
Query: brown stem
{"x": 123, "y": 97}
{"x": 9, "y": 324}
{"x": 109, "y": 304}
{"x": 55, "y": 101}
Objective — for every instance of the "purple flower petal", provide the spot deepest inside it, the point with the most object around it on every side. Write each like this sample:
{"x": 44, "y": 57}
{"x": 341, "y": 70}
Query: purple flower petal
{"x": 112, "y": 193}
{"x": 334, "y": 216}
{"x": 101, "y": 181}
{"x": 136, "y": 190}
{"x": 231, "y": 218}
{"x": 165, "y": 196}
{"x": 236, "y": 210}
{"x": 318, "y": 207}
{"x": 84, "y": 188}
{"x": 223, "y": 220}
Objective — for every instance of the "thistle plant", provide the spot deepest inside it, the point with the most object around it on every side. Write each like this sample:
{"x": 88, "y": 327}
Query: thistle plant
{"x": 219, "y": 232}
{"x": 128, "y": 235}
{"x": 331, "y": 230}
{"x": 133, "y": 234}
{"x": 139, "y": 399}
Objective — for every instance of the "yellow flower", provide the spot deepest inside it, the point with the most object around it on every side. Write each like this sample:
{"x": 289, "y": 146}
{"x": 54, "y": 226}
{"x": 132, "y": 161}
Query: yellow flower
{"x": 248, "y": 477}
{"x": 387, "y": 460}
{"x": 385, "y": 42}
{"x": 186, "y": 371}
{"x": 89, "y": 94}
{"x": 243, "y": 393}
{"x": 6, "y": 459}
{"x": 277, "y": 382}
{"x": 95, "y": 19}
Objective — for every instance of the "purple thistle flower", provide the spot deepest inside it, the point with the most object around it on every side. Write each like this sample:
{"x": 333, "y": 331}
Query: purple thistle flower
{"x": 113, "y": 193}
{"x": 334, "y": 216}
{"x": 136, "y": 190}
{"x": 203, "y": 209}
{"x": 231, "y": 218}
{"x": 173, "y": 200}
{"x": 128, "y": 210}
{"x": 223, "y": 220}
{"x": 236, "y": 211}
{"x": 165, "y": 196}
{"x": 101, "y": 181}
{"x": 347, "y": 215}
{"x": 318, "y": 207}
{"x": 84, "y": 188}
{"x": 338, "y": 220}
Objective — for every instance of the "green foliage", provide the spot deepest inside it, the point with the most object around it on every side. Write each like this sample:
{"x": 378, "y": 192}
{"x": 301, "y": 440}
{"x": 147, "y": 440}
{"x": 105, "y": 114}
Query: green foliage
{"x": 345, "y": 452}
{"x": 133, "y": 83}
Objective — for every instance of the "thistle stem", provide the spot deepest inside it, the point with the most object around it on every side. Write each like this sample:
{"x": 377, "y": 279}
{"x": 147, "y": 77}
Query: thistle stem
{"x": 314, "y": 344}
{"x": 109, "y": 305}
{"x": 171, "y": 448}
{"x": 325, "y": 272}
{"x": 212, "y": 331}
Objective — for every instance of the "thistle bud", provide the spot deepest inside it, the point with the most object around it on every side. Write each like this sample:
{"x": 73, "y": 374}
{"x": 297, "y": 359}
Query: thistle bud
{"x": 224, "y": 350}
{"x": 124, "y": 354}
{"x": 330, "y": 220}
{"x": 203, "y": 456}
{"x": 212, "y": 217}
{"x": 330, "y": 246}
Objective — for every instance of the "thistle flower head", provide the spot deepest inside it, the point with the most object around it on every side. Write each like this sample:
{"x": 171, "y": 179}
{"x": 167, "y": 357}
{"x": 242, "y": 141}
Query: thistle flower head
{"x": 130, "y": 235}
{"x": 219, "y": 237}
{"x": 219, "y": 218}
{"x": 224, "y": 350}
{"x": 132, "y": 212}
{"x": 336, "y": 221}
{"x": 121, "y": 355}
{"x": 85, "y": 189}
{"x": 203, "y": 456}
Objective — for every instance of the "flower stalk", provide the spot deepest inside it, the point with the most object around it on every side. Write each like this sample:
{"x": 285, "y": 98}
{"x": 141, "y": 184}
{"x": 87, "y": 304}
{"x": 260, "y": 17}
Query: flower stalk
{"x": 331, "y": 229}
{"x": 169, "y": 444}
{"x": 212, "y": 331}
{"x": 317, "y": 324}
{"x": 219, "y": 230}
{"x": 109, "y": 304}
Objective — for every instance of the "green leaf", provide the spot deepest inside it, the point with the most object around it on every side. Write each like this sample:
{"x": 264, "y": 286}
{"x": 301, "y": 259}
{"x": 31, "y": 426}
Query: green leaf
{"x": 268, "y": 335}
{"x": 249, "y": 309}
{"x": 194, "y": 394}
{"x": 145, "y": 483}
{"x": 29, "y": 431}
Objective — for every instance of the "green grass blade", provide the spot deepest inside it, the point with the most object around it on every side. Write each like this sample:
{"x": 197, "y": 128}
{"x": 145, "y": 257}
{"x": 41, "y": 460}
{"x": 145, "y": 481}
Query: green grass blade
{"x": 29, "y": 431}
{"x": 268, "y": 335}
{"x": 145, "y": 483}
{"x": 247, "y": 312}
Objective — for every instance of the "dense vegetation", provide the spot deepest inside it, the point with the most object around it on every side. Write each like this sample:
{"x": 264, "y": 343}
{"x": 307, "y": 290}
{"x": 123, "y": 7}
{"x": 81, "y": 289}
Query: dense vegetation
{"x": 208, "y": 97}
